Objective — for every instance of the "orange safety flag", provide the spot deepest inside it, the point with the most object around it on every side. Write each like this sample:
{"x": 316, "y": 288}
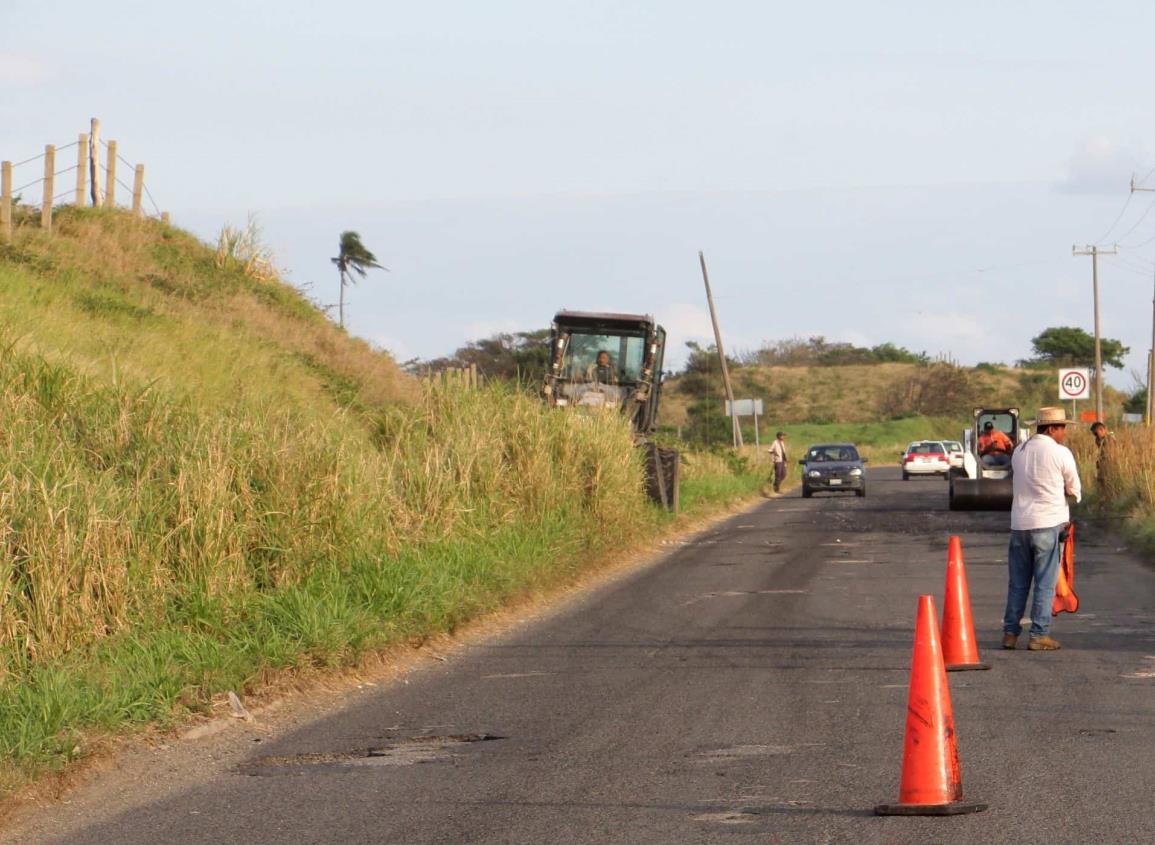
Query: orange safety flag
{"x": 1065, "y": 598}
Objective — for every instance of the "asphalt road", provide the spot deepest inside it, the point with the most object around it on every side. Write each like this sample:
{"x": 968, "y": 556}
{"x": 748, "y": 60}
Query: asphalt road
{"x": 751, "y": 685}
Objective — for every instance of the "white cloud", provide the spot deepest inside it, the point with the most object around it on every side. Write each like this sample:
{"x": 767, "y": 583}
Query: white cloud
{"x": 21, "y": 69}
{"x": 1102, "y": 165}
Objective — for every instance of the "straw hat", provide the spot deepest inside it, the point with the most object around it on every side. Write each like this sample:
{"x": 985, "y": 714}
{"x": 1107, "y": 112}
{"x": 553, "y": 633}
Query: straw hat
{"x": 1051, "y": 416}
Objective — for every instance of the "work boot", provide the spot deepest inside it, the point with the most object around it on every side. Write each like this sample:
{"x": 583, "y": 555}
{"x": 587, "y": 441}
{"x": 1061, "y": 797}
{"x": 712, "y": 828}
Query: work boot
{"x": 1010, "y": 640}
{"x": 1043, "y": 643}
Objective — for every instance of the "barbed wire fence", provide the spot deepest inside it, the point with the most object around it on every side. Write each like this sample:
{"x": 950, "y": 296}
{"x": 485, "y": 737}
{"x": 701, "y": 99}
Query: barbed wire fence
{"x": 97, "y": 163}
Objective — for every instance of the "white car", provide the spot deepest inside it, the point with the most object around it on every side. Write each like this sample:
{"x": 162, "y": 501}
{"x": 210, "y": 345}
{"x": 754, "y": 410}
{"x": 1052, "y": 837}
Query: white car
{"x": 954, "y": 453}
{"x": 925, "y": 457}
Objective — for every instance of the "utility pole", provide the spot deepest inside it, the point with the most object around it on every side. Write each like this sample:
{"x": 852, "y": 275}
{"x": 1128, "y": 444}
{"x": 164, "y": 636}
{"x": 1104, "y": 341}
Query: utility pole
{"x": 1150, "y": 416}
{"x": 1151, "y": 368}
{"x": 1095, "y": 252}
{"x": 735, "y": 428}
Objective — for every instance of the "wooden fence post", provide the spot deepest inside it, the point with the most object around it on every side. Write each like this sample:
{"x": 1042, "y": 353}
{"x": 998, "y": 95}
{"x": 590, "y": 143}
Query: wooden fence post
{"x": 49, "y": 183}
{"x": 81, "y": 168}
{"x": 6, "y": 200}
{"x": 137, "y": 188}
{"x": 94, "y": 163}
{"x": 473, "y": 375}
{"x": 110, "y": 176}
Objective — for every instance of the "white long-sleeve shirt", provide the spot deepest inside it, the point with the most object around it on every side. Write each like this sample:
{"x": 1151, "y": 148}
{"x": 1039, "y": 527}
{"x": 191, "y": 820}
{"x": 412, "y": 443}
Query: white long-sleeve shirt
{"x": 777, "y": 451}
{"x": 1044, "y": 475}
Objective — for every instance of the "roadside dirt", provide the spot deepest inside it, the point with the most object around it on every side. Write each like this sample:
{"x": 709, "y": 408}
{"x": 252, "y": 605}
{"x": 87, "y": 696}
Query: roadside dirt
{"x": 145, "y": 768}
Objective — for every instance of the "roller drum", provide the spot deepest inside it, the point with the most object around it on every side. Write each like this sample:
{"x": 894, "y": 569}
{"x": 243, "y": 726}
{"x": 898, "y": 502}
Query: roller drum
{"x": 981, "y": 494}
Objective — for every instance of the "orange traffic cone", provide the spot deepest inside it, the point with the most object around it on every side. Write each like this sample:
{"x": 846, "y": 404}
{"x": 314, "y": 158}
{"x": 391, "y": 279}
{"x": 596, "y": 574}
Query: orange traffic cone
{"x": 959, "y": 649}
{"x": 931, "y": 778}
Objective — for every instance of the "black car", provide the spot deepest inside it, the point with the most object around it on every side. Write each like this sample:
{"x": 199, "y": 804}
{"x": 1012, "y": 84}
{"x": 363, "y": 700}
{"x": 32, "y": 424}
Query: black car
{"x": 833, "y": 467}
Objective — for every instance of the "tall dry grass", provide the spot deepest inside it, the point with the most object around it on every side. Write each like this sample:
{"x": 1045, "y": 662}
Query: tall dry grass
{"x": 117, "y": 503}
{"x": 1121, "y": 483}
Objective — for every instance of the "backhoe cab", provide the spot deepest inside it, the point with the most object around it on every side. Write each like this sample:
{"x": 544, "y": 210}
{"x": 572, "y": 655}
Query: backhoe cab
{"x": 613, "y": 362}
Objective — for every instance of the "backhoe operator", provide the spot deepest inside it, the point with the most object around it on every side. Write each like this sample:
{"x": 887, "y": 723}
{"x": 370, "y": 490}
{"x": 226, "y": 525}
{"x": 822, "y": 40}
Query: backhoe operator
{"x": 602, "y": 370}
{"x": 994, "y": 446}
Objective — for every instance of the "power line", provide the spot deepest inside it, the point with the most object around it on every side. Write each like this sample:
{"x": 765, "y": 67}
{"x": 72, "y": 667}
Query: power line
{"x": 1135, "y": 262}
{"x": 1138, "y": 188}
{"x": 1140, "y": 244}
{"x": 1146, "y": 274}
{"x": 1142, "y": 217}
{"x": 1118, "y": 217}
{"x": 1126, "y": 203}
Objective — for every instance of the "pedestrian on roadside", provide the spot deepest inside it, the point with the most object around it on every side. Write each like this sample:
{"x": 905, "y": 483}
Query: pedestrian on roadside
{"x": 1044, "y": 474}
{"x": 777, "y": 452}
{"x": 1102, "y": 442}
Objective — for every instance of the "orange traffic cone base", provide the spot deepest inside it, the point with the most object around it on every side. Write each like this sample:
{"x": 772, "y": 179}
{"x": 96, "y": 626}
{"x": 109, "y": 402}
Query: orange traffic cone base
{"x": 954, "y": 808}
{"x": 965, "y": 667}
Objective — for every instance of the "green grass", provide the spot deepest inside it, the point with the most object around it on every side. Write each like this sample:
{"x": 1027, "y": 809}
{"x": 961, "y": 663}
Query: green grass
{"x": 156, "y": 674}
{"x": 204, "y": 483}
{"x": 713, "y": 490}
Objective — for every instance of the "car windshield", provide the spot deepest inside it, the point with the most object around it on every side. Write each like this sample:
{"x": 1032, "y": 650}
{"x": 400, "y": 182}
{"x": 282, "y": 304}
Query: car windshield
{"x": 623, "y": 353}
{"x": 927, "y": 448}
{"x": 824, "y": 454}
{"x": 953, "y": 445}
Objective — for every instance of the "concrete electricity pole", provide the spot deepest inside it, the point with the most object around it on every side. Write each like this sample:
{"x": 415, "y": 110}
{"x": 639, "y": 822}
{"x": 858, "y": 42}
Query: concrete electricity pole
{"x": 1095, "y": 252}
{"x": 1150, "y": 352}
{"x": 1151, "y": 368}
{"x": 735, "y": 427}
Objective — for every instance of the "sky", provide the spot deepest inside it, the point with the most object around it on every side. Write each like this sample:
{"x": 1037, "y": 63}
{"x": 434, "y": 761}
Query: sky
{"x": 904, "y": 172}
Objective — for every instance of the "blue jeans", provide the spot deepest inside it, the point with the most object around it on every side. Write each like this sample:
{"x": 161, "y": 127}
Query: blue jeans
{"x": 1032, "y": 555}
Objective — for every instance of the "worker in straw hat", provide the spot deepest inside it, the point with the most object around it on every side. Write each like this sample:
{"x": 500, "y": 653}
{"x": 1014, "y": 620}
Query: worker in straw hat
{"x": 1044, "y": 474}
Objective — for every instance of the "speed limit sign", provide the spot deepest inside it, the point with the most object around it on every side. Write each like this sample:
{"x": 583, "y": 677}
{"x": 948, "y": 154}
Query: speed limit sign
{"x": 1074, "y": 384}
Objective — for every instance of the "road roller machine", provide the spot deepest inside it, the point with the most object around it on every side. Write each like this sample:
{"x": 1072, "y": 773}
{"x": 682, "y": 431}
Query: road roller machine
{"x": 983, "y": 482}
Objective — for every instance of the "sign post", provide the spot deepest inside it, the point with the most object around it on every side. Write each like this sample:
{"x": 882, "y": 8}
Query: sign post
{"x": 745, "y": 408}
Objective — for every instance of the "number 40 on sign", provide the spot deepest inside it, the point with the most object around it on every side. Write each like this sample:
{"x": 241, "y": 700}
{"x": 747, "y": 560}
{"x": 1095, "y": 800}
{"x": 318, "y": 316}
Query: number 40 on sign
{"x": 1074, "y": 384}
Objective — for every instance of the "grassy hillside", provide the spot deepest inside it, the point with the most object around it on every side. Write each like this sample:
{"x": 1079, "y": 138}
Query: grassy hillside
{"x": 203, "y": 480}
{"x": 869, "y": 395}
{"x": 845, "y": 394}
{"x": 135, "y": 301}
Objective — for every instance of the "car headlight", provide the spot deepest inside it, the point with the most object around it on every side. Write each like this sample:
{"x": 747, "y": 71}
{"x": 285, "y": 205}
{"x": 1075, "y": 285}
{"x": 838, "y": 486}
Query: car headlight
{"x": 815, "y": 473}
{"x": 856, "y": 471}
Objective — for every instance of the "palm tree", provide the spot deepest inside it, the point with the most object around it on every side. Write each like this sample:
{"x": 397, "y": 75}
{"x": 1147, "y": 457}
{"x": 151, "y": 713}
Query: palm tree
{"x": 353, "y": 257}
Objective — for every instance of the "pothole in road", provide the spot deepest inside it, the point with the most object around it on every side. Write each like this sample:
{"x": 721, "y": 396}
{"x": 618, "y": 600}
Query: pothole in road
{"x": 1097, "y": 731}
{"x": 406, "y": 752}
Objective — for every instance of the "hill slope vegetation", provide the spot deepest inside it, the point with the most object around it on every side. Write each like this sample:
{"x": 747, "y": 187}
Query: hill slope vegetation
{"x": 203, "y": 480}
